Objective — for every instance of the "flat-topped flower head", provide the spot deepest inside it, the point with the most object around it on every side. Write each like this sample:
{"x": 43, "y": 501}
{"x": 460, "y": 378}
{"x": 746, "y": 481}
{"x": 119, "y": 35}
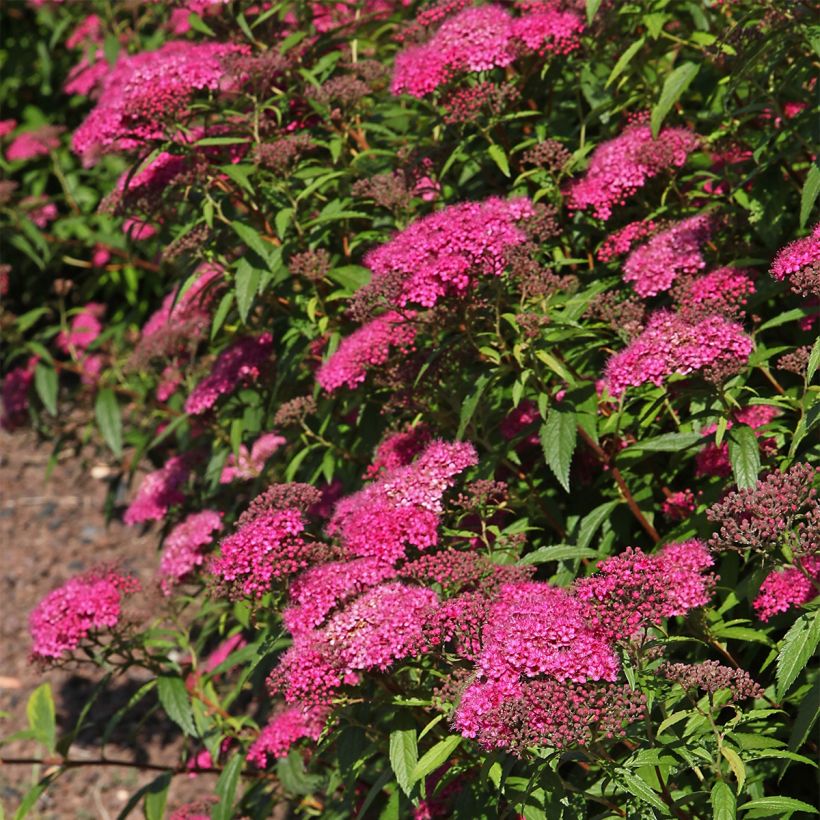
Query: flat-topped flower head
{"x": 674, "y": 251}
{"x": 623, "y": 165}
{"x": 37, "y": 143}
{"x": 240, "y": 363}
{"x": 798, "y": 264}
{"x": 368, "y": 347}
{"x": 403, "y": 506}
{"x": 158, "y": 492}
{"x": 86, "y": 605}
{"x": 442, "y": 254}
{"x": 724, "y": 291}
{"x": 144, "y": 92}
{"x": 184, "y": 547}
{"x": 285, "y": 727}
{"x": 399, "y": 449}
{"x": 671, "y": 345}
{"x": 786, "y": 588}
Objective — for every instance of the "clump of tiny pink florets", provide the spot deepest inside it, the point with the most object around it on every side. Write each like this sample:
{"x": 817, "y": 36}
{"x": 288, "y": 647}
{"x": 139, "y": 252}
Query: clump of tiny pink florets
{"x": 183, "y": 549}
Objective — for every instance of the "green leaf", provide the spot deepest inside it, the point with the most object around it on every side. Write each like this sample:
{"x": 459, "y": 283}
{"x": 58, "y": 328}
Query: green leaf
{"x": 175, "y": 701}
{"x": 221, "y": 313}
{"x": 736, "y": 765}
{"x": 557, "y": 552}
{"x": 592, "y": 9}
{"x": 247, "y": 284}
{"x": 350, "y": 277}
{"x": 799, "y": 645}
{"x": 435, "y": 756}
{"x": 624, "y": 60}
{"x": 156, "y": 796}
{"x": 558, "y": 438}
{"x": 811, "y": 187}
{"x": 744, "y": 455}
{"x": 226, "y": 788}
{"x": 45, "y": 383}
{"x": 198, "y": 24}
{"x": 779, "y": 805}
{"x": 41, "y": 716}
{"x": 252, "y": 239}
{"x": 814, "y": 361}
{"x": 469, "y": 405}
{"x": 404, "y": 757}
{"x": 724, "y": 805}
{"x": 109, "y": 420}
{"x": 500, "y": 158}
{"x": 667, "y": 443}
{"x": 592, "y": 521}
{"x": 642, "y": 791}
{"x": 674, "y": 86}
{"x": 33, "y": 795}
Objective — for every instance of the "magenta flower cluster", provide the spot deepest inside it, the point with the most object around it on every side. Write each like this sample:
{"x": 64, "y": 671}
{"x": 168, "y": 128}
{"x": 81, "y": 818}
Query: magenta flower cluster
{"x": 184, "y": 547}
{"x": 158, "y": 492}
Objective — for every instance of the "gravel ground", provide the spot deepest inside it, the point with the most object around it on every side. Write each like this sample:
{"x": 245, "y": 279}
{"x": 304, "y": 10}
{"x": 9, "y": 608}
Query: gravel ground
{"x": 52, "y": 528}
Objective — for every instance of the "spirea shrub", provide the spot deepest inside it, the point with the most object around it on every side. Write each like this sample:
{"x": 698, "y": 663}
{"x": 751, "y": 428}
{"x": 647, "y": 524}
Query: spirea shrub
{"x": 461, "y": 360}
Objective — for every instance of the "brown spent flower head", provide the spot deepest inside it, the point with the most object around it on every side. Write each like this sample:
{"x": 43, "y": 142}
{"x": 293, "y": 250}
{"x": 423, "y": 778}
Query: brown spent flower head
{"x": 796, "y": 361}
{"x": 281, "y": 497}
{"x": 781, "y": 510}
{"x": 344, "y": 90}
{"x": 550, "y": 155}
{"x": 312, "y": 265}
{"x": 279, "y": 155}
{"x": 391, "y": 191}
{"x": 191, "y": 242}
{"x": 294, "y": 411}
{"x": 711, "y": 676}
{"x": 625, "y": 314}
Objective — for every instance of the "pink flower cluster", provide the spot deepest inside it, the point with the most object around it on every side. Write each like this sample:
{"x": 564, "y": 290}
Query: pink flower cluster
{"x": 242, "y": 362}
{"x": 158, "y": 492}
{"x": 285, "y": 727}
{"x": 250, "y": 464}
{"x": 84, "y": 329}
{"x": 403, "y": 506}
{"x": 621, "y": 241}
{"x": 799, "y": 264}
{"x": 633, "y": 590}
{"x": 369, "y": 346}
{"x": 786, "y": 588}
{"x": 441, "y": 254}
{"x": 724, "y": 291}
{"x": 482, "y": 38}
{"x": 669, "y": 344}
{"x": 142, "y": 92}
{"x": 37, "y": 143}
{"x": 184, "y": 547}
{"x": 16, "y": 385}
{"x": 653, "y": 267}
{"x": 621, "y": 166}
{"x": 86, "y": 604}
{"x": 399, "y": 449}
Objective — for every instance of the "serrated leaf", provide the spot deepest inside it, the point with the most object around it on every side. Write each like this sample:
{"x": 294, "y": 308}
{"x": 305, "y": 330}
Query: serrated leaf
{"x": 642, "y": 791}
{"x": 175, "y": 701}
{"x": 623, "y": 61}
{"x": 559, "y": 434}
{"x": 744, "y": 455}
{"x": 247, "y": 284}
{"x": 468, "y": 406}
{"x": 404, "y": 757}
{"x": 350, "y": 277}
{"x": 557, "y": 552}
{"x": 778, "y": 805}
{"x": 592, "y": 521}
{"x": 252, "y": 239}
{"x": 45, "y": 383}
{"x": 435, "y": 756}
{"x": 799, "y": 644}
{"x": 498, "y": 156}
{"x": 221, "y": 313}
{"x": 724, "y": 805}
{"x": 667, "y": 443}
{"x": 226, "y": 788}
{"x": 42, "y": 717}
{"x": 811, "y": 187}
{"x": 109, "y": 419}
{"x": 592, "y": 9}
{"x": 814, "y": 361}
{"x": 674, "y": 86}
{"x": 736, "y": 765}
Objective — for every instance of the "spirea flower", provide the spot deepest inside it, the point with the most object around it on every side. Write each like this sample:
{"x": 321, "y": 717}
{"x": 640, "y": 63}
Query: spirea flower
{"x": 786, "y": 588}
{"x": 621, "y": 241}
{"x": 399, "y": 449}
{"x": 443, "y": 253}
{"x": 711, "y": 677}
{"x": 679, "y": 505}
{"x": 669, "y": 345}
{"x": 37, "y": 143}
{"x": 84, "y": 329}
{"x": 158, "y": 492}
{"x": 403, "y": 506}
{"x": 144, "y": 91}
{"x": 183, "y": 549}
{"x": 724, "y": 291}
{"x": 633, "y": 590}
{"x": 369, "y": 346}
{"x": 89, "y": 603}
{"x": 320, "y": 589}
{"x": 285, "y": 727}
{"x": 621, "y": 166}
{"x": 242, "y": 362}
{"x": 251, "y": 463}
{"x": 799, "y": 264}
{"x": 16, "y": 385}
{"x": 781, "y": 508}
{"x": 265, "y": 549}
{"x": 653, "y": 267}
